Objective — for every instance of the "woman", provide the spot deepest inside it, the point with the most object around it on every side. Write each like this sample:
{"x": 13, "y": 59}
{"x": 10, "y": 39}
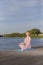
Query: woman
{"x": 26, "y": 44}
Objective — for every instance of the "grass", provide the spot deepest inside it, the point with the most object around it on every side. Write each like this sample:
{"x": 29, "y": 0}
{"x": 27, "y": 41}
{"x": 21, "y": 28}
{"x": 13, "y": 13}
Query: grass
{"x": 36, "y": 36}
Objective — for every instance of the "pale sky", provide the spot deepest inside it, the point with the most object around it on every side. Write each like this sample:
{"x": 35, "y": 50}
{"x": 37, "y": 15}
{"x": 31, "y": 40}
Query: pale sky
{"x": 20, "y": 15}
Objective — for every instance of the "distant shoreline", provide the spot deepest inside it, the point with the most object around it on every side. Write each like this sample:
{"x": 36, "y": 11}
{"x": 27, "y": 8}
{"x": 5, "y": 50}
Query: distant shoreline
{"x": 23, "y": 37}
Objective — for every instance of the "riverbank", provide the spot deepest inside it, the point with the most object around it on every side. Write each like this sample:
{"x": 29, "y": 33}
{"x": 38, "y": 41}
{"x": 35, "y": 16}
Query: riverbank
{"x": 22, "y": 37}
{"x": 36, "y": 36}
{"x": 29, "y": 57}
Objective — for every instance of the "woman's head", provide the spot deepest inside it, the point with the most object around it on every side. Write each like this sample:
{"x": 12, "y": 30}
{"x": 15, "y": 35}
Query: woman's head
{"x": 27, "y": 33}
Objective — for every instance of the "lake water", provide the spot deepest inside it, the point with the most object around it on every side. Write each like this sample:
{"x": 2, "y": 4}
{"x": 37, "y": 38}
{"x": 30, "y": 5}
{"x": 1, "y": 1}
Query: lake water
{"x": 12, "y": 43}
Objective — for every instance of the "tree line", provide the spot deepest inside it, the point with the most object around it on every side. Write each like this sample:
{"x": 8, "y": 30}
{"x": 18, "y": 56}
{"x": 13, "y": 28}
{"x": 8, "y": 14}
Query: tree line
{"x": 33, "y": 32}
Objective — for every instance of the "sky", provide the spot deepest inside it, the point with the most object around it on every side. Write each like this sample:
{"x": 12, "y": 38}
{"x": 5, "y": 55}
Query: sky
{"x": 20, "y": 15}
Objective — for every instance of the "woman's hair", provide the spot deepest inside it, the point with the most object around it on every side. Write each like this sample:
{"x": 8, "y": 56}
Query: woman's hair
{"x": 28, "y": 33}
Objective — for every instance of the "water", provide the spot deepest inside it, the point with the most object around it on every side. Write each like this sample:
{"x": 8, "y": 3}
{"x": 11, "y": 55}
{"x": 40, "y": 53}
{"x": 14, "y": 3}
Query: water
{"x": 12, "y": 43}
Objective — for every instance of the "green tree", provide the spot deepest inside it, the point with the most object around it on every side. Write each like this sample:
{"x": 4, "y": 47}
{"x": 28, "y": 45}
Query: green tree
{"x": 34, "y": 32}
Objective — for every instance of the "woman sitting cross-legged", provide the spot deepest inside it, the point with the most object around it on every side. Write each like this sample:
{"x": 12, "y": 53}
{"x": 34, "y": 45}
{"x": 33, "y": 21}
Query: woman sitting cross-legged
{"x": 26, "y": 44}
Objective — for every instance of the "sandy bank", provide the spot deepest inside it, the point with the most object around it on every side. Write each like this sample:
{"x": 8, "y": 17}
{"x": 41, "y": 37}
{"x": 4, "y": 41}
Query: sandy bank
{"x": 29, "y": 57}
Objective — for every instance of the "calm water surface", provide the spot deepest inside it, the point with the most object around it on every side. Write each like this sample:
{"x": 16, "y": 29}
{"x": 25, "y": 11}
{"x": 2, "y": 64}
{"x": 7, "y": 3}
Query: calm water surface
{"x": 12, "y": 43}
